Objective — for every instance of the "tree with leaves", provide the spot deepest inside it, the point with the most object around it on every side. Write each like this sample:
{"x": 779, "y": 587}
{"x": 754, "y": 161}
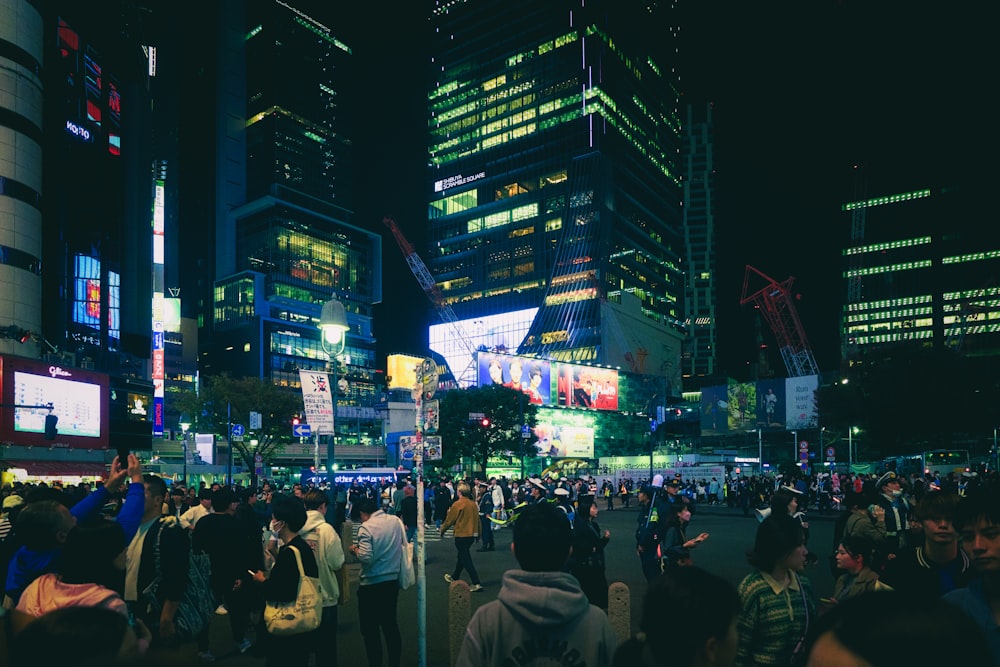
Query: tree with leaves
{"x": 224, "y": 400}
{"x": 505, "y": 409}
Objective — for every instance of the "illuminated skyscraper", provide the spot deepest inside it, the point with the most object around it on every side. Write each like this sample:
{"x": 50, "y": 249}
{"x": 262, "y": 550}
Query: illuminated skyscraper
{"x": 699, "y": 357}
{"x": 555, "y": 180}
{"x": 284, "y": 241}
{"x": 922, "y": 269}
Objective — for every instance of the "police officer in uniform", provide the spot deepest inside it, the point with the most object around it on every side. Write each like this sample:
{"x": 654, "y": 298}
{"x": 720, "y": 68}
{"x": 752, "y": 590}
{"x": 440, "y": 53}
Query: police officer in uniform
{"x": 897, "y": 513}
{"x": 649, "y": 529}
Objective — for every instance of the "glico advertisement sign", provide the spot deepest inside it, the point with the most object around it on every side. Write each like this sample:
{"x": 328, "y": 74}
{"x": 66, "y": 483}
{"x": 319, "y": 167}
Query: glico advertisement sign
{"x": 551, "y": 383}
{"x": 79, "y": 400}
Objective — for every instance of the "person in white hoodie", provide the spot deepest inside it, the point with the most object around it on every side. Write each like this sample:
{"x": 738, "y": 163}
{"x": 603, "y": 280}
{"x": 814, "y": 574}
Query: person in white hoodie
{"x": 329, "y": 551}
{"x": 541, "y": 615}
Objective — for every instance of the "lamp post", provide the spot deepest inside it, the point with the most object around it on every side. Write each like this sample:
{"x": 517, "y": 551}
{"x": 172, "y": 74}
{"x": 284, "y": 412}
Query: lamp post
{"x": 760, "y": 450}
{"x": 850, "y": 447}
{"x": 795, "y": 448}
{"x": 185, "y": 424}
{"x": 334, "y": 328}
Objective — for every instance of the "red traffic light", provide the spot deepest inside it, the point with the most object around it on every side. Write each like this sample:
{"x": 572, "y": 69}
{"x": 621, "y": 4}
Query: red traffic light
{"x": 485, "y": 422}
{"x": 295, "y": 421}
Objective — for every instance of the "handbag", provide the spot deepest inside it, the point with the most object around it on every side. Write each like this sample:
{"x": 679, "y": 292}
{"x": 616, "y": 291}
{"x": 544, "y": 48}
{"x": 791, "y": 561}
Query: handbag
{"x": 799, "y": 656}
{"x": 407, "y": 573}
{"x": 196, "y": 607}
{"x": 303, "y": 614}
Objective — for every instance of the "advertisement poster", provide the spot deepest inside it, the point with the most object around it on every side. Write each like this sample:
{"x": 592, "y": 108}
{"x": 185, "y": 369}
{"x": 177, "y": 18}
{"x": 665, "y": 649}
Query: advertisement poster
{"x": 531, "y": 376}
{"x": 317, "y": 400}
{"x": 587, "y": 387}
{"x": 564, "y": 441}
{"x": 771, "y": 404}
{"x": 715, "y": 410}
{"x": 801, "y": 405}
{"x": 741, "y": 400}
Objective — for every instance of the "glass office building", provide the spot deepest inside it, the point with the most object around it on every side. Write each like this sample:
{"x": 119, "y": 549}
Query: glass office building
{"x": 555, "y": 178}
{"x": 921, "y": 268}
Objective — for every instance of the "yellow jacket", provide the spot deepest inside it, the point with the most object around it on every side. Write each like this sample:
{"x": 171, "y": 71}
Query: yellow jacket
{"x": 464, "y": 515}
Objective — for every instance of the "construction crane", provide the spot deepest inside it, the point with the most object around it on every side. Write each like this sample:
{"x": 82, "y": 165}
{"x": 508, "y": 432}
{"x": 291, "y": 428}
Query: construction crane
{"x": 775, "y": 301}
{"x": 467, "y": 377}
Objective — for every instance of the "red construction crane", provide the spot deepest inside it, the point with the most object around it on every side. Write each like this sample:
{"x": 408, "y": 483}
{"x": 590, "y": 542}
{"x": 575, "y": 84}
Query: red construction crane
{"x": 777, "y": 304}
{"x": 433, "y": 292}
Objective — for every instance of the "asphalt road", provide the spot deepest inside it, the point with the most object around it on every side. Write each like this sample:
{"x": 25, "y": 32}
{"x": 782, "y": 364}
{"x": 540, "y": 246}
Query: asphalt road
{"x": 723, "y": 553}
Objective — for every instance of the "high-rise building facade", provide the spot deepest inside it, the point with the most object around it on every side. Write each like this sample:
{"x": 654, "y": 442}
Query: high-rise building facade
{"x": 289, "y": 245}
{"x": 555, "y": 179}
{"x": 922, "y": 269}
{"x": 699, "y": 357}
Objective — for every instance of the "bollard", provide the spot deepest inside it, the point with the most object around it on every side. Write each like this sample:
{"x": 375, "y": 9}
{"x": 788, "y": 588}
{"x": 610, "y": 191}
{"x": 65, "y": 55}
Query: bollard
{"x": 459, "y": 614}
{"x": 620, "y": 610}
{"x": 344, "y": 573}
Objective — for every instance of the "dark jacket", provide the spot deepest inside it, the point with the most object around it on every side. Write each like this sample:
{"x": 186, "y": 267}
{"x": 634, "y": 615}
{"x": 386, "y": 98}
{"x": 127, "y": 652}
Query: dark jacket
{"x": 283, "y": 584}
{"x": 175, "y": 559}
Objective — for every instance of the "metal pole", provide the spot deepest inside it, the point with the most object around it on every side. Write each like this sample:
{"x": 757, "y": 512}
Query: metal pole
{"x": 795, "y": 448}
{"x": 185, "y": 471}
{"x": 850, "y": 448}
{"x": 229, "y": 448}
{"x": 520, "y": 406}
{"x": 418, "y": 467}
{"x": 760, "y": 450}
{"x": 331, "y": 444}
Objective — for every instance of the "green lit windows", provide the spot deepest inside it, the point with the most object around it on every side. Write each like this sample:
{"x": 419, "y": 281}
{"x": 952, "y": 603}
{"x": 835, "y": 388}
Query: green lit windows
{"x": 553, "y": 225}
{"x": 456, "y": 203}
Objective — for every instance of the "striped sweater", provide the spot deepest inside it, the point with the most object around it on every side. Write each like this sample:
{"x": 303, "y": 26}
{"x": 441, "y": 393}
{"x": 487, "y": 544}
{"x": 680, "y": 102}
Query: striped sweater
{"x": 773, "y": 619}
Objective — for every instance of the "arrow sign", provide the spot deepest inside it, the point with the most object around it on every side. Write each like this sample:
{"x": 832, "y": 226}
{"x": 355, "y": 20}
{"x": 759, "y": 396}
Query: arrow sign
{"x": 238, "y": 430}
{"x": 301, "y": 430}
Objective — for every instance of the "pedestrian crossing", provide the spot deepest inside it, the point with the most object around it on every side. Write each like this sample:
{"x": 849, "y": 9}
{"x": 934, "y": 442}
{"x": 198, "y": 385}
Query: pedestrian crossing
{"x": 431, "y": 534}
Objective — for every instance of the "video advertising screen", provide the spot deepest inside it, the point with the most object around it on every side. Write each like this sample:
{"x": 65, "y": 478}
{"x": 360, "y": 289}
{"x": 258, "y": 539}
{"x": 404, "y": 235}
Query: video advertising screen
{"x": 78, "y": 399}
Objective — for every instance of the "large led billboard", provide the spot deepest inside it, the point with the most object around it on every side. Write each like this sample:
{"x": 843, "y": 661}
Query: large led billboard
{"x": 787, "y": 404}
{"x": 78, "y": 399}
{"x": 551, "y": 383}
{"x": 531, "y": 376}
{"x": 501, "y": 331}
{"x": 401, "y": 371}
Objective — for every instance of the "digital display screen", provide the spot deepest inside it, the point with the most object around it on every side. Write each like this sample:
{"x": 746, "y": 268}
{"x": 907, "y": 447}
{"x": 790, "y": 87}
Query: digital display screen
{"x": 76, "y": 404}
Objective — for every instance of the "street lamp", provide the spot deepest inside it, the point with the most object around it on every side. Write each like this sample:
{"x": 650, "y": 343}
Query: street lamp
{"x": 185, "y": 424}
{"x": 333, "y": 327}
{"x": 760, "y": 450}
{"x": 851, "y": 430}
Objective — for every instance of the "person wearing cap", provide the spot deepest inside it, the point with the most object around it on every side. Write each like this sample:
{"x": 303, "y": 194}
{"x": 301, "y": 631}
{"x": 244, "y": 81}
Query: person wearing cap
{"x": 897, "y": 511}
{"x": 541, "y": 615}
{"x": 564, "y": 503}
{"x": 538, "y": 492}
{"x": 648, "y": 531}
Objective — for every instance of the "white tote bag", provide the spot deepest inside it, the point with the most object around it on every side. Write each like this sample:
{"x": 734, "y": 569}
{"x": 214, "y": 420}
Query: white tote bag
{"x": 303, "y": 614}
{"x": 407, "y": 573}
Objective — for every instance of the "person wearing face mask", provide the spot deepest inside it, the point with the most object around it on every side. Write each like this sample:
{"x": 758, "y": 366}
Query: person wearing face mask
{"x": 282, "y": 583}
{"x": 897, "y": 513}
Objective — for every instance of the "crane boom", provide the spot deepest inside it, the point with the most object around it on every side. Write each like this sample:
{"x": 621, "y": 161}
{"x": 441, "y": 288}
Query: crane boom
{"x": 433, "y": 292}
{"x": 775, "y": 302}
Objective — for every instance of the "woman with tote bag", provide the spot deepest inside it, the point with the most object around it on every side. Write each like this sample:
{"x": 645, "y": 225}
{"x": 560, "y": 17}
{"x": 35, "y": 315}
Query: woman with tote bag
{"x": 290, "y": 627}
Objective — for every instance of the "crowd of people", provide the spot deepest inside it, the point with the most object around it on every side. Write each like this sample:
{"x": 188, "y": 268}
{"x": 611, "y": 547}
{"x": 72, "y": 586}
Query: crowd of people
{"x": 115, "y": 568}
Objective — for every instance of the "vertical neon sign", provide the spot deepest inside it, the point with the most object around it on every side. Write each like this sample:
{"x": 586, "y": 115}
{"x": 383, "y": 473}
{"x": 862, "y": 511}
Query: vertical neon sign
{"x": 158, "y": 362}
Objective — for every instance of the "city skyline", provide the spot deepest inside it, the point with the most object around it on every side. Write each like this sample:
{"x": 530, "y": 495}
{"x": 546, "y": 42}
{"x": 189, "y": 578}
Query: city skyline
{"x": 795, "y": 111}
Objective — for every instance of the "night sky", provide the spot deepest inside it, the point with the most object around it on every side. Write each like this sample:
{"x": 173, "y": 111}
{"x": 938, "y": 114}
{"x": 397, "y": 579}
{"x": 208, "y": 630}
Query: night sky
{"x": 802, "y": 92}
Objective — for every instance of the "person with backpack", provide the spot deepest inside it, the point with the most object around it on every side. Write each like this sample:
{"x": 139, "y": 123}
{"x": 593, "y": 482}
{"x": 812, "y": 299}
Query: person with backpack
{"x": 159, "y": 552}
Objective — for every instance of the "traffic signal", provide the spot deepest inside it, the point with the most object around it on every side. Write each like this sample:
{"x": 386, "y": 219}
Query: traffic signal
{"x": 50, "y": 426}
{"x": 295, "y": 420}
{"x": 485, "y": 422}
